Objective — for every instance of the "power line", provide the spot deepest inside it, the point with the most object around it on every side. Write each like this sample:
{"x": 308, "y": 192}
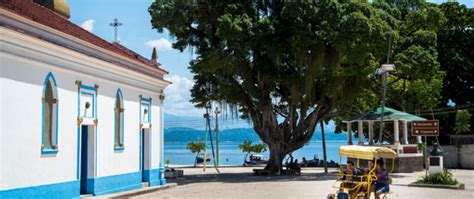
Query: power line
{"x": 449, "y": 108}
{"x": 446, "y": 112}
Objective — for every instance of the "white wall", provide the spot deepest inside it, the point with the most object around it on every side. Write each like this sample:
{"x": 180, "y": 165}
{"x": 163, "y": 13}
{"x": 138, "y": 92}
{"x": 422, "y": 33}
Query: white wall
{"x": 2, "y": 139}
{"x": 23, "y": 164}
{"x": 157, "y": 130}
{"x": 126, "y": 161}
{"x": 25, "y": 64}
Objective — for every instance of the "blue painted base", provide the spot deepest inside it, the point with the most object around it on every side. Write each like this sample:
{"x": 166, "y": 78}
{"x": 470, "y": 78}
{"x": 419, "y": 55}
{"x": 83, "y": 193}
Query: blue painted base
{"x": 95, "y": 186}
{"x": 163, "y": 181}
{"x": 154, "y": 177}
{"x": 162, "y": 176}
{"x": 115, "y": 183}
{"x": 57, "y": 190}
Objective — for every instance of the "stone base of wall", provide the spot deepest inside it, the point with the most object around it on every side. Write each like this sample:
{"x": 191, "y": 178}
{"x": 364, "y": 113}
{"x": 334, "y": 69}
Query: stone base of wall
{"x": 408, "y": 164}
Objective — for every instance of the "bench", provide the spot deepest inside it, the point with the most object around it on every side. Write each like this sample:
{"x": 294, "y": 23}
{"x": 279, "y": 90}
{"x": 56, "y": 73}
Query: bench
{"x": 261, "y": 172}
{"x": 173, "y": 173}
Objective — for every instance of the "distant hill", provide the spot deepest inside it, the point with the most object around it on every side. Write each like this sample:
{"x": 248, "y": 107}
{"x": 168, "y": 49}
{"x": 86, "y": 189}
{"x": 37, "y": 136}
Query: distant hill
{"x": 183, "y": 134}
{"x": 190, "y": 128}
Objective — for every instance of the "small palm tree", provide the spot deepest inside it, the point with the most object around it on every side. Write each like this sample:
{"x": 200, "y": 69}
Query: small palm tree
{"x": 196, "y": 147}
{"x": 248, "y": 148}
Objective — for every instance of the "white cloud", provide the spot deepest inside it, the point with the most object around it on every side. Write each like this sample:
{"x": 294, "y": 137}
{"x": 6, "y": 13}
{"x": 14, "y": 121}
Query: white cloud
{"x": 178, "y": 95}
{"x": 88, "y": 25}
{"x": 161, "y": 44}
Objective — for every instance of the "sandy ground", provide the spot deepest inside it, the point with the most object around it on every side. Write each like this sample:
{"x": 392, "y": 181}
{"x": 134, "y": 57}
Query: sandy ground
{"x": 238, "y": 182}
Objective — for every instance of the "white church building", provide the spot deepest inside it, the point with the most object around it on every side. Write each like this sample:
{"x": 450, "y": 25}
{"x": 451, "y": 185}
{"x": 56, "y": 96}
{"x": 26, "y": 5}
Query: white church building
{"x": 78, "y": 115}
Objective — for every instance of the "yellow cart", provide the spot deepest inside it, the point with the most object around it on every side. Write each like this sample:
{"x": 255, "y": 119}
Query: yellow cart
{"x": 360, "y": 185}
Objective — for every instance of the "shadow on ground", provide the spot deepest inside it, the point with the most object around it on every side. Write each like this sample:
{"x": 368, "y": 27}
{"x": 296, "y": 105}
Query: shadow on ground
{"x": 250, "y": 178}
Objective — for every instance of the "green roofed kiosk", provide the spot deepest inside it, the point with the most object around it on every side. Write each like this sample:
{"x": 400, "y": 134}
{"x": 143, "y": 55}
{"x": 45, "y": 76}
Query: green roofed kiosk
{"x": 403, "y": 148}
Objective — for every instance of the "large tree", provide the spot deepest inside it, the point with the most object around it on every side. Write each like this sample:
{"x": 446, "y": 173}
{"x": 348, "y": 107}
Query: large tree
{"x": 456, "y": 55}
{"x": 417, "y": 82}
{"x": 301, "y": 61}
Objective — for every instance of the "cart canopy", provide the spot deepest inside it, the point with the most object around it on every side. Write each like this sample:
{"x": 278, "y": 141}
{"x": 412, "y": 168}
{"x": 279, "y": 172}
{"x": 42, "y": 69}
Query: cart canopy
{"x": 366, "y": 152}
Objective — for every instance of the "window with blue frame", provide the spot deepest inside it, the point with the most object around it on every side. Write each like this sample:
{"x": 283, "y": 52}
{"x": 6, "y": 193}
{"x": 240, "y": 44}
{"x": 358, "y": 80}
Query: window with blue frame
{"x": 145, "y": 105}
{"x": 50, "y": 115}
{"x": 119, "y": 122}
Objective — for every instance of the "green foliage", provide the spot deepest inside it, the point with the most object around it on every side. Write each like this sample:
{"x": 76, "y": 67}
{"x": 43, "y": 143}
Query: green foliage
{"x": 421, "y": 146}
{"x": 196, "y": 147}
{"x": 247, "y": 147}
{"x": 167, "y": 162}
{"x": 455, "y": 54}
{"x": 444, "y": 178}
{"x": 303, "y": 60}
{"x": 312, "y": 60}
{"x": 462, "y": 121}
{"x": 417, "y": 82}
{"x": 455, "y": 41}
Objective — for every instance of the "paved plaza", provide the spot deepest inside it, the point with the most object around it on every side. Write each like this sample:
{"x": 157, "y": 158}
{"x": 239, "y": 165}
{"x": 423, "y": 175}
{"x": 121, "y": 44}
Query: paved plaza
{"x": 238, "y": 182}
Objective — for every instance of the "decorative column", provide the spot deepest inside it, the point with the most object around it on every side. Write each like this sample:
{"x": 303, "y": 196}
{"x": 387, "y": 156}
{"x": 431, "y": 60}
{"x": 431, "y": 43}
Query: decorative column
{"x": 349, "y": 133}
{"x": 361, "y": 132}
{"x": 371, "y": 132}
{"x": 396, "y": 135}
{"x": 405, "y": 132}
{"x": 162, "y": 139}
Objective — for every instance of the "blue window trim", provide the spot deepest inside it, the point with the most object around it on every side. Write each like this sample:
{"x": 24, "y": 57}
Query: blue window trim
{"x": 78, "y": 134}
{"x": 49, "y": 151}
{"x": 84, "y": 89}
{"x": 145, "y": 102}
{"x": 118, "y": 148}
{"x": 49, "y": 77}
{"x": 93, "y": 103}
{"x": 91, "y": 88}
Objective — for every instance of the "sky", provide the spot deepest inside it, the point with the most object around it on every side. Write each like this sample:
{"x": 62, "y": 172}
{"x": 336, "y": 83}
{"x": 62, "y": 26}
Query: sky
{"x": 137, "y": 34}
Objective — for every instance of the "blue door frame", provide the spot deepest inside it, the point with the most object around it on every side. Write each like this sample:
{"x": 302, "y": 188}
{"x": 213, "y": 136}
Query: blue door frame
{"x": 142, "y": 154}
{"x": 84, "y": 160}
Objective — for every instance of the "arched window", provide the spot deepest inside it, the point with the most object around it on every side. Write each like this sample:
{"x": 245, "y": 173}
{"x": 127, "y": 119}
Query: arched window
{"x": 50, "y": 114}
{"x": 118, "y": 120}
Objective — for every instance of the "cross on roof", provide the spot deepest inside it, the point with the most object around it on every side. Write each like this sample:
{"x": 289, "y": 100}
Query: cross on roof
{"x": 115, "y": 24}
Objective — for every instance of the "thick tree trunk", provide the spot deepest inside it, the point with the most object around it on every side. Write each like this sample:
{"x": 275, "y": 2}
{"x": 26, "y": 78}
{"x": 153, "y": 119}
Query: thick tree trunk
{"x": 275, "y": 162}
{"x": 285, "y": 137}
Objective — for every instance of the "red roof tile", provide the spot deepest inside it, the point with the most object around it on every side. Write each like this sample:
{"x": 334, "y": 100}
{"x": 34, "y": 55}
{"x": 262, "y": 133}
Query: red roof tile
{"x": 42, "y": 15}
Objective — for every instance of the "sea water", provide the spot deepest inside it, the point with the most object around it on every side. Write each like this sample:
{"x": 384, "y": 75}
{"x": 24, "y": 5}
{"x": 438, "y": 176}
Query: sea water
{"x": 230, "y": 154}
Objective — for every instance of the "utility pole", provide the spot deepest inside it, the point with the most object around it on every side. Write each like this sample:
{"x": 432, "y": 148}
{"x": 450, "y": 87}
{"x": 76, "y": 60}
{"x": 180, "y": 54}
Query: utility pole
{"x": 206, "y": 116}
{"x": 115, "y": 24}
{"x": 217, "y": 134}
{"x": 324, "y": 147}
{"x": 208, "y": 124}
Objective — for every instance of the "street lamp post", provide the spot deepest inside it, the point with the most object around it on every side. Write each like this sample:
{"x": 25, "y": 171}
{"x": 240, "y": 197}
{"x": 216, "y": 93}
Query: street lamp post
{"x": 384, "y": 70}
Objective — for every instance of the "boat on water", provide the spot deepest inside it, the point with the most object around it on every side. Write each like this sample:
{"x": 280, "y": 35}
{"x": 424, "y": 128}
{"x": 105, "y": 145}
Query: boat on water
{"x": 200, "y": 159}
{"x": 255, "y": 160}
